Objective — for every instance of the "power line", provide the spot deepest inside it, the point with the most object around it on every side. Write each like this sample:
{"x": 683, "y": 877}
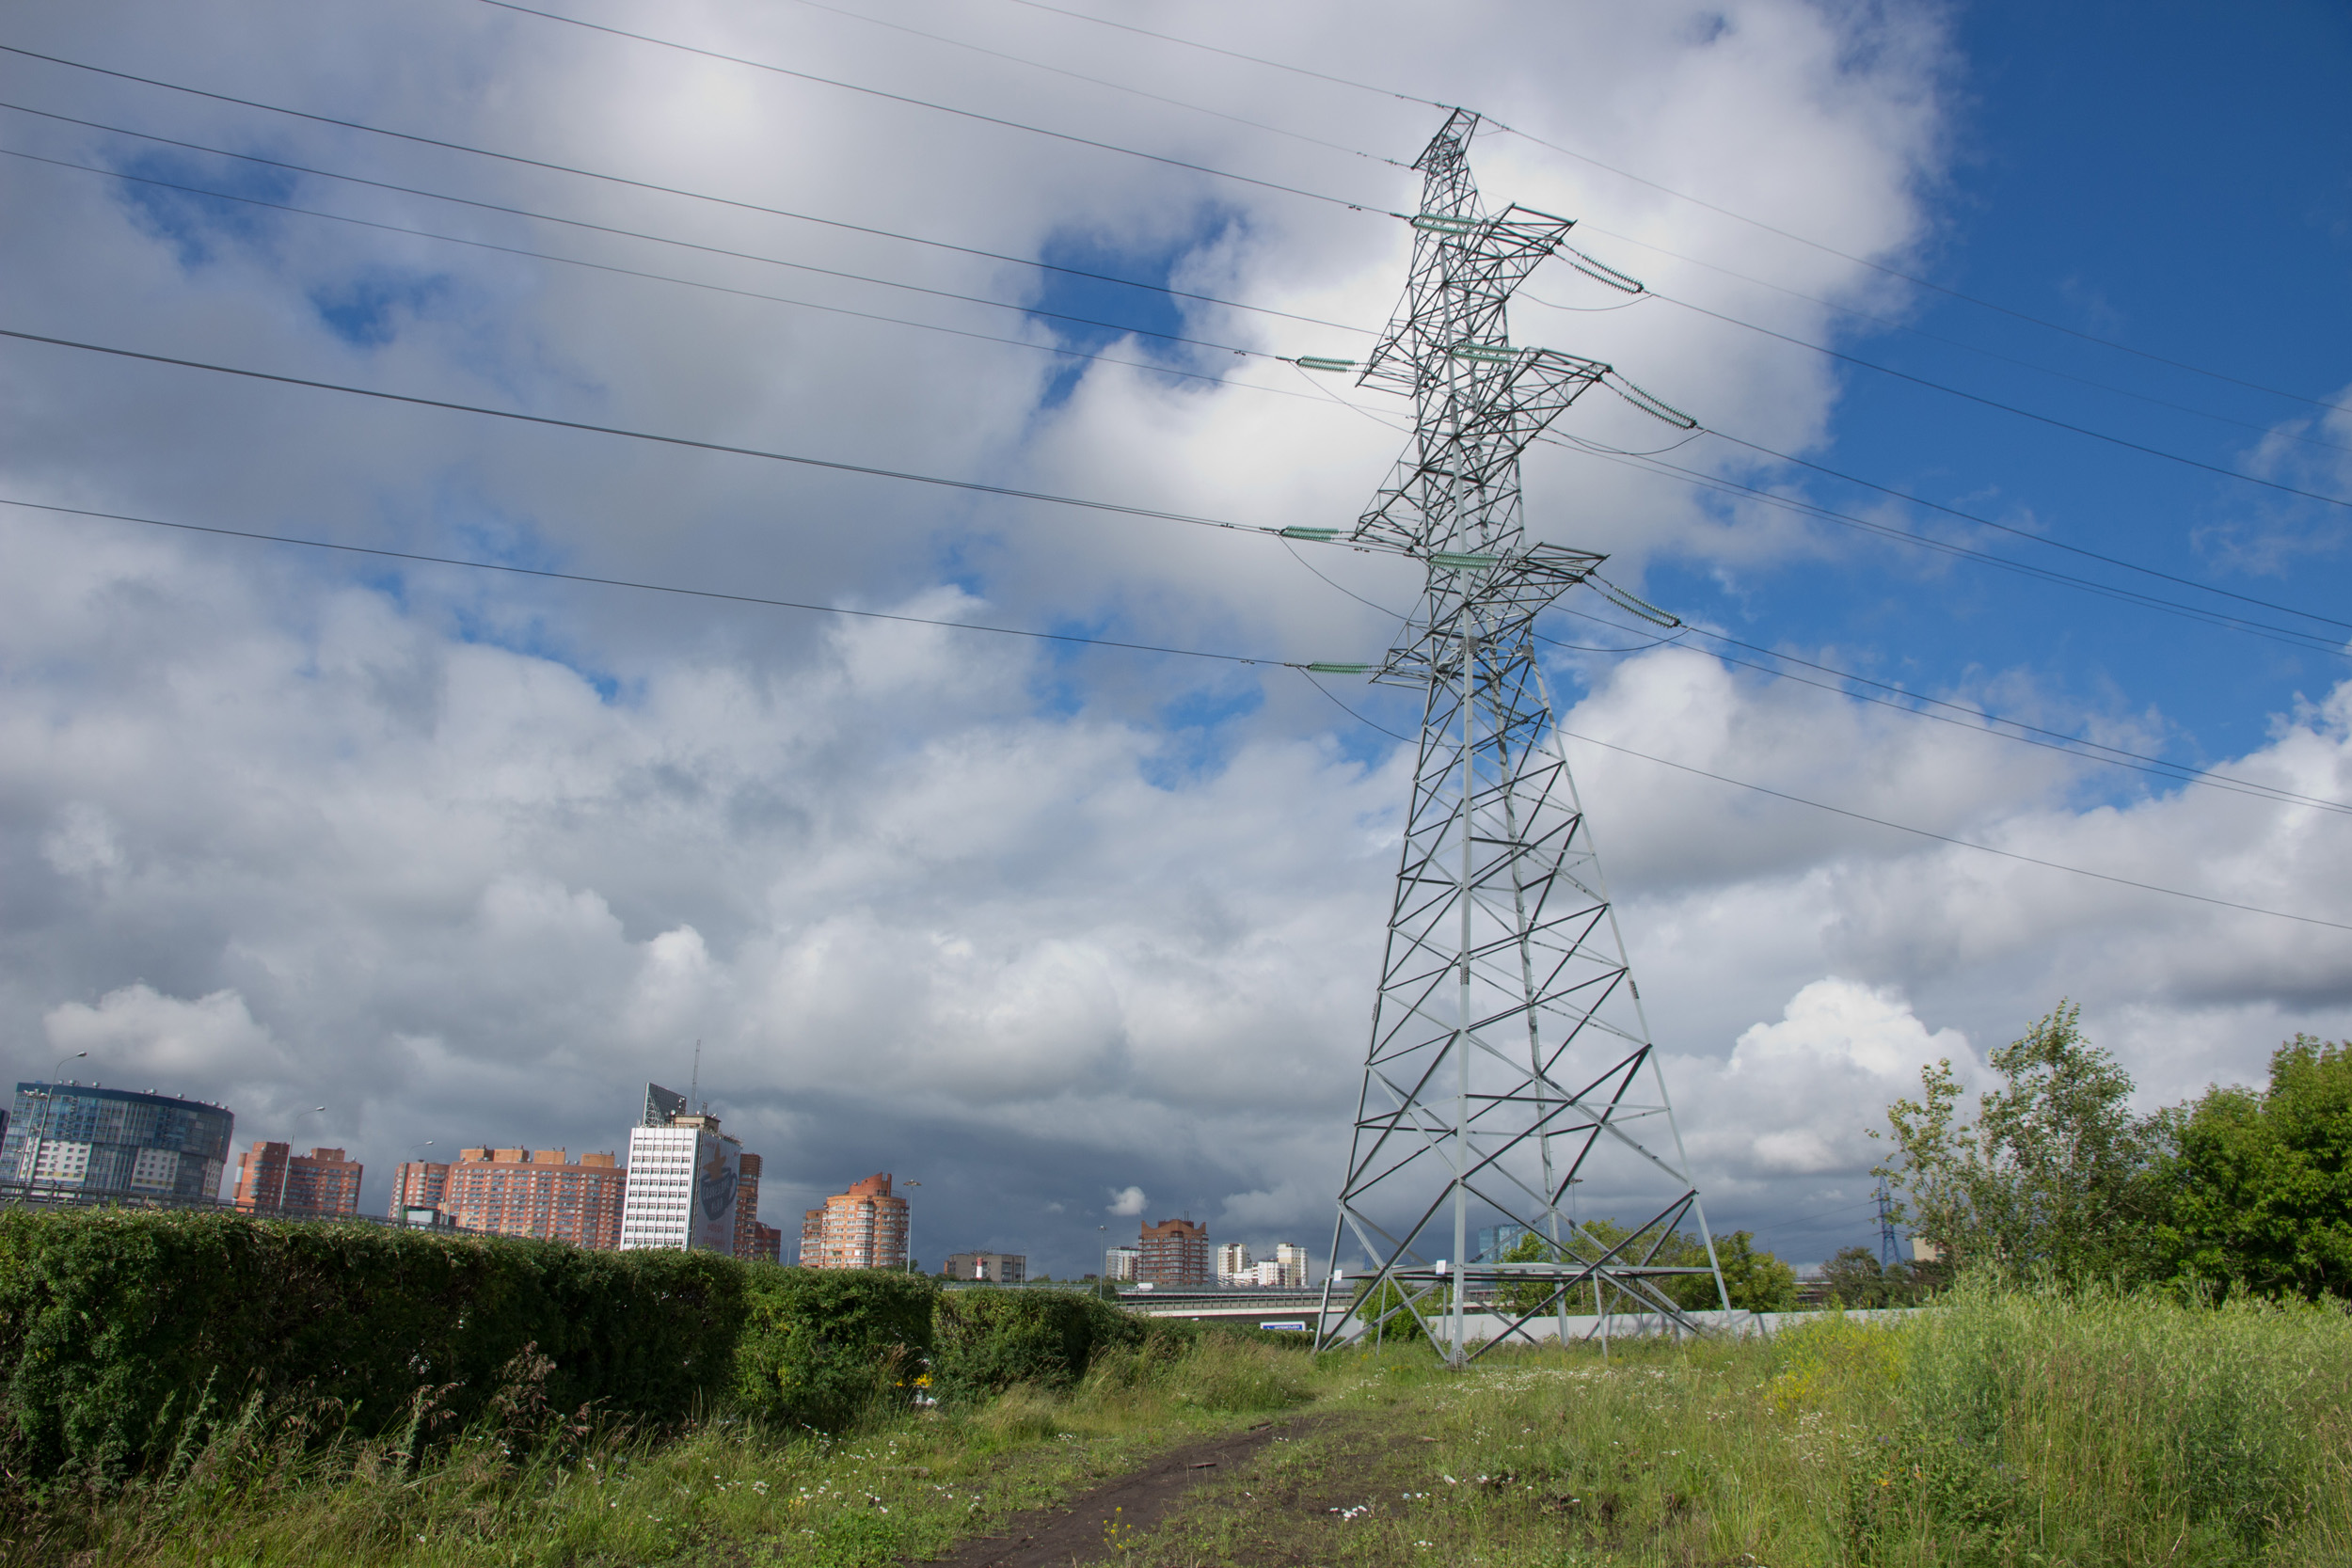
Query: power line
{"x": 665, "y": 190}
{"x": 2291, "y": 637}
{"x": 1894, "y": 533}
{"x": 1016, "y": 60}
{"x": 1921, "y": 282}
{"x": 1698, "y": 201}
{"x": 741, "y": 294}
{"x": 995, "y": 54}
{"x": 1888, "y": 324}
{"x": 699, "y": 196}
{"x": 1099, "y": 82}
{"x": 1176, "y": 337}
{"x": 2011, "y": 407}
{"x": 781, "y": 71}
{"x": 1116, "y": 508}
{"x": 1960, "y": 717}
{"x": 2036, "y": 538}
{"x": 2058, "y": 739}
{"x": 1332, "y": 697}
{"x": 1072, "y": 638}
{"x": 648, "y": 587}
{"x": 1643, "y": 463}
{"x": 822, "y": 463}
{"x": 1233, "y": 54}
{"x": 1960, "y": 843}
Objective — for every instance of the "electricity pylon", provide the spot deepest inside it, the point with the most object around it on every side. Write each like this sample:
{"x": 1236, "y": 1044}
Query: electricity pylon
{"x": 1510, "y": 1063}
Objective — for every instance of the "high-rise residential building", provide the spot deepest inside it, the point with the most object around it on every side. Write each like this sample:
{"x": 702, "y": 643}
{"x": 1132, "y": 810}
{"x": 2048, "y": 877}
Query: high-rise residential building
{"x": 999, "y": 1268}
{"x": 418, "y": 1185}
{"x": 1263, "y": 1276}
{"x": 748, "y": 1240}
{"x": 1120, "y": 1263}
{"x": 86, "y": 1136}
{"x": 1291, "y": 1259}
{"x": 766, "y": 1245}
{"x": 273, "y": 1180}
{"x": 1175, "y": 1253}
{"x": 864, "y": 1227}
{"x": 682, "y": 1183}
{"x": 1233, "y": 1264}
{"x": 542, "y": 1193}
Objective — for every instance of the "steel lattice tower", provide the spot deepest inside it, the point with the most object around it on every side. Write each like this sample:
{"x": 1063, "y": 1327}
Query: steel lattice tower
{"x": 1510, "y": 1060}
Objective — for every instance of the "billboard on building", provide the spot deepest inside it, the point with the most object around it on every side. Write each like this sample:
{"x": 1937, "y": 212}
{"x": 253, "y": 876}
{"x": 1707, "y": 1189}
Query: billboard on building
{"x": 718, "y": 1169}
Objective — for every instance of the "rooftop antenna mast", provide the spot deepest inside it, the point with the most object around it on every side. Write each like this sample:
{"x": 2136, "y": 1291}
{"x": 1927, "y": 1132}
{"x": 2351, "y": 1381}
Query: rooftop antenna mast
{"x": 1510, "y": 1060}
{"x": 693, "y": 1084}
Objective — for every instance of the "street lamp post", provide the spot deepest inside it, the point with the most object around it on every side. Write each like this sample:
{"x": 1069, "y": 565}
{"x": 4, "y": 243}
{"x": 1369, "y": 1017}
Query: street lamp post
{"x": 41, "y": 1132}
{"x": 910, "y": 1236}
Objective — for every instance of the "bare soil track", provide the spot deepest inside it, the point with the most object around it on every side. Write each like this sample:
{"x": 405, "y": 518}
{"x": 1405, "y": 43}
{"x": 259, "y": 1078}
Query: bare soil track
{"x": 1090, "y": 1528}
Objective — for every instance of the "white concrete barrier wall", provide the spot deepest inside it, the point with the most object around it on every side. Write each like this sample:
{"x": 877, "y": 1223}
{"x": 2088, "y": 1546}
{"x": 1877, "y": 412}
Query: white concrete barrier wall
{"x": 1629, "y": 1325}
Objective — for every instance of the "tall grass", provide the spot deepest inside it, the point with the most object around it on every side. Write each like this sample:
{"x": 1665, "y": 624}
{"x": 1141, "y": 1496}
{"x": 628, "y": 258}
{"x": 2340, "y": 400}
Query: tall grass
{"x": 2000, "y": 1427}
{"x": 2112, "y": 1429}
{"x": 269, "y": 1486}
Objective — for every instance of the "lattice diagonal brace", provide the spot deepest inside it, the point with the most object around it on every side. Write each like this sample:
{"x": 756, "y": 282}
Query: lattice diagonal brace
{"x": 1510, "y": 1064}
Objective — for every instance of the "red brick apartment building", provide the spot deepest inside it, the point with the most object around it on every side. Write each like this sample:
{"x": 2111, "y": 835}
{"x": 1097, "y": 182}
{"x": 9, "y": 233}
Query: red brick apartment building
{"x": 516, "y": 1192}
{"x": 864, "y": 1227}
{"x": 418, "y": 1184}
{"x": 1173, "y": 1254}
{"x": 762, "y": 1243}
{"x": 273, "y": 1180}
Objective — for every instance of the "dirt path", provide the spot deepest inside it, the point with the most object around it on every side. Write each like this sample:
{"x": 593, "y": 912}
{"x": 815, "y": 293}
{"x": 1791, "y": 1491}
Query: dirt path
{"x": 1091, "y": 1528}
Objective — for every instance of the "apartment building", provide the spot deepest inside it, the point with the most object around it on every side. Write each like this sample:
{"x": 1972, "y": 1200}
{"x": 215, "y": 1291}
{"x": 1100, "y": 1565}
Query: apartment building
{"x": 114, "y": 1140}
{"x": 1174, "y": 1254}
{"x": 418, "y": 1185}
{"x": 864, "y": 1227}
{"x": 998, "y": 1268}
{"x": 1233, "y": 1264}
{"x": 541, "y": 1192}
{"x": 752, "y": 1240}
{"x": 273, "y": 1180}
{"x": 1121, "y": 1263}
{"x": 1291, "y": 1259}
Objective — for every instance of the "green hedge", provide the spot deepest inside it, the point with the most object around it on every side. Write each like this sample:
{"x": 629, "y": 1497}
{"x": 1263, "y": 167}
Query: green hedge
{"x": 988, "y": 1340}
{"x": 819, "y": 1347}
{"x": 116, "y": 1323}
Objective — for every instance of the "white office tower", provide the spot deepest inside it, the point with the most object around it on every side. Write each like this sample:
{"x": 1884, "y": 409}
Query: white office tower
{"x": 1293, "y": 1262}
{"x": 1232, "y": 1263}
{"x": 681, "y": 1187}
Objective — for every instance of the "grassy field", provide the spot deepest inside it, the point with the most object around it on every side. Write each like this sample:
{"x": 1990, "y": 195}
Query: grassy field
{"x": 1997, "y": 1429}
{"x": 269, "y": 1492}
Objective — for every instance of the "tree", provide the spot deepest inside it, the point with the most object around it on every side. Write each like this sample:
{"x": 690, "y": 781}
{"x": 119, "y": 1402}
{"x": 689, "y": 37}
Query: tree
{"x": 2056, "y": 1173}
{"x": 1856, "y": 1279}
{"x": 2261, "y": 1182}
{"x": 1756, "y": 1281}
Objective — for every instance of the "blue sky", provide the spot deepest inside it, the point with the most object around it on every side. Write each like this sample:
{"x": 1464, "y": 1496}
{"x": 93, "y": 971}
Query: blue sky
{"x": 2177, "y": 179}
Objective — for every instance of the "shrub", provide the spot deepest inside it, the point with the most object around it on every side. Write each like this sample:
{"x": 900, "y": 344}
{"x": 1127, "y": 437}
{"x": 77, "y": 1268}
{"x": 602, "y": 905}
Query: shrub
{"x": 823, "y": 1348}
{"x": 987, "y": 1341}
{"x": 123, "y": 1332}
